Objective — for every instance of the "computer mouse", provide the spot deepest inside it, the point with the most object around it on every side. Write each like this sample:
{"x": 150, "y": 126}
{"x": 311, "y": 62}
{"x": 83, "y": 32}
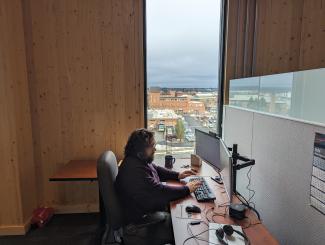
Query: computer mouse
{"x": 193, "y": 209}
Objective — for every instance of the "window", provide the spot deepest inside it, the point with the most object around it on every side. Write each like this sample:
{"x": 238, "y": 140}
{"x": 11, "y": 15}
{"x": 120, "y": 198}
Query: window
{"x": 296, "y": 95}
{"x": 183, "y": 48}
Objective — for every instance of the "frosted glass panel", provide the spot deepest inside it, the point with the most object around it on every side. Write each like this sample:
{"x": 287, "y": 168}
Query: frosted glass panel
{"x": 308, "y": 95}
{"x": 275, "y": 93}
{"x": 244, "y": 92}
{"x": 296, "y": 94}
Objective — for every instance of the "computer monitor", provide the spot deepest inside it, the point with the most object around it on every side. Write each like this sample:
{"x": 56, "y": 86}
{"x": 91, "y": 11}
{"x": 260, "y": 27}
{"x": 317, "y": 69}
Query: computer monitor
{"x": 227, "y": 169}
{"x": 207, "y": 147}
{"x": 214, "y": 151}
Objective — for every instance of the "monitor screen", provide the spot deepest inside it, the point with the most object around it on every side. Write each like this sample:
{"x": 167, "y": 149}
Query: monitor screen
{"x": 214, "y": 151}
{"x": 207, "y": 147}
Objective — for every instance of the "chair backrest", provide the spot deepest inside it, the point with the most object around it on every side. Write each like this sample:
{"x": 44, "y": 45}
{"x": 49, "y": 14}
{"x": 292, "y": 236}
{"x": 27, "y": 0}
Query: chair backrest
{"x": 107, "y": 171}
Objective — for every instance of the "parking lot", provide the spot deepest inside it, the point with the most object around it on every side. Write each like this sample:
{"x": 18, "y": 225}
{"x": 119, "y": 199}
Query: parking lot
{"x": 185, "y": 147}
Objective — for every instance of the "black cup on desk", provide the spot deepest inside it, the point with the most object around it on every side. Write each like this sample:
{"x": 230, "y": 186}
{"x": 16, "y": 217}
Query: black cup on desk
{"x": 169, "y": 161}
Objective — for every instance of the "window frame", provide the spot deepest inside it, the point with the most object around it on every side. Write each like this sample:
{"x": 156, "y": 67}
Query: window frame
{"x": 222, "y": 55}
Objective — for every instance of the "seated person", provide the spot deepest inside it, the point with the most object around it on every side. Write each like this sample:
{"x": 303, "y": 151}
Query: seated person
{"x": 139, "y": 188}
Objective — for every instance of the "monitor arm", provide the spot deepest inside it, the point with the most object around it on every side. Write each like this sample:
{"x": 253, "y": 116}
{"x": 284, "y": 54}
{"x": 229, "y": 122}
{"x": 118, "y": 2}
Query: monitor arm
{"x": 235, "y": 166}
{"x": 248, "y": 163}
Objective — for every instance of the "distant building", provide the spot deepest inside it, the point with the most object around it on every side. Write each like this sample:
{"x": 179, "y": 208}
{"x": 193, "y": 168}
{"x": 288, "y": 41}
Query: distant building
{"x": 210, "y": 99}
{"x": 161, "y": 118}
{"x": 268, "y": 102}
{"x": 174, "y": 100}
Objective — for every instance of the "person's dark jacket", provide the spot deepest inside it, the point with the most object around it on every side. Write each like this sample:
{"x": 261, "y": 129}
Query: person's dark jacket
{"x": 140, "y": 191}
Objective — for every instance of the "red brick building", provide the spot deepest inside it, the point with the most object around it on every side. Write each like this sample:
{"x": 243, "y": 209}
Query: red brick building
{"x": 177, "y": 101}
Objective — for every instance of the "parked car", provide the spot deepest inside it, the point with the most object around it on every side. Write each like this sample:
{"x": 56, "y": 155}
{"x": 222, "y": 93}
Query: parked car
{"x": 170, "y": 133}
{"x": 188, "y": 131}
{"x": 190, "y": 137}
{"x": 161, "y": 127}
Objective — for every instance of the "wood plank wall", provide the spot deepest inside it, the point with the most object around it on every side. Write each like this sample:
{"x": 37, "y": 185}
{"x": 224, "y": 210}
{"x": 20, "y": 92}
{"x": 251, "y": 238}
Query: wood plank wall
{"x": 85, "y": 71}
{"x": 17, "y": 170}
{"x": 274, "y": 36}
{"x": 83, "y": 91}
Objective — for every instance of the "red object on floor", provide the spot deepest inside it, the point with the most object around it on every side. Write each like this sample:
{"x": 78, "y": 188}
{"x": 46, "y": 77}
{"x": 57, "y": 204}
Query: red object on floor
{"x": 41, "y": 216}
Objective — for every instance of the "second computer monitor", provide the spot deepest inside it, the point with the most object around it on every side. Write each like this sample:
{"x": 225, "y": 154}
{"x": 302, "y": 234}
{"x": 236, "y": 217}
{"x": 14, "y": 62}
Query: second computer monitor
{"x": 214, "y": 151}
{"x": 207, "y": 147}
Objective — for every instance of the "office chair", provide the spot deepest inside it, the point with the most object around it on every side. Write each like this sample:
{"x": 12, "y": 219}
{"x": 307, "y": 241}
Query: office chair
{"x": 107, "y": 171}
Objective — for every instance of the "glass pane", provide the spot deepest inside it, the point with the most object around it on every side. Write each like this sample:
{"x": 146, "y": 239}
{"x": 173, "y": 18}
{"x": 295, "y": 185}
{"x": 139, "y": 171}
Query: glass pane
{"x": 244, "y": 92}
{"x": 275, "y": 93}
{"x": 182, "y": 71}
{"x": 307, "y": 101}
{"x": 296, "y": 94}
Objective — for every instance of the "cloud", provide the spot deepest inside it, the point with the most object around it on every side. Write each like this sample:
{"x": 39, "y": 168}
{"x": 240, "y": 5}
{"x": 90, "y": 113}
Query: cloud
{"x": 183, "y": 43}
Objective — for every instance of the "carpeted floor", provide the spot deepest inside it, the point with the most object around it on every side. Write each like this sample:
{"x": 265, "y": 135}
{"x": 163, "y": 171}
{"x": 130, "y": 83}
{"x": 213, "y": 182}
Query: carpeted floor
{"x": 63, "y": 229}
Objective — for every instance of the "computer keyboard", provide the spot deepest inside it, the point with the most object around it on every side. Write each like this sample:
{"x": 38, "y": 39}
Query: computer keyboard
{"x": 203, "y": 193}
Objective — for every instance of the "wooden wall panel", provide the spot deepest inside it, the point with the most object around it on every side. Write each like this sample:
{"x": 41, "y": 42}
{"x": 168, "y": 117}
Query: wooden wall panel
{"x": 287, "y": 35}
{"x": 278, "y": 31}
{"x": 85, "y": 68}
{"x": 230, "y": 50}
{"x": 17, "y": 182}
{"x": 313, "y": 35}
{"x": 240, "y": 40}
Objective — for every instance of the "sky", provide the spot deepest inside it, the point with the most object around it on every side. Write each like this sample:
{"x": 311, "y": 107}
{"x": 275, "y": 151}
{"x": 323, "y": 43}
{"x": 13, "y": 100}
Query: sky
{"x": 183, "y": 43}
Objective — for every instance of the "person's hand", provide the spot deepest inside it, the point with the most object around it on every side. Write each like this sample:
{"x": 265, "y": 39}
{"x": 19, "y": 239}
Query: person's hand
{"x": 193, "y": 185}
{"x": 185, "y": 174}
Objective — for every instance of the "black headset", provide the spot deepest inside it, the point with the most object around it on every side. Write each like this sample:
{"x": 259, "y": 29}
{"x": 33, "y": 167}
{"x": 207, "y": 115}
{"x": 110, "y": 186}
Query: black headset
{"x": 228, "y": 230}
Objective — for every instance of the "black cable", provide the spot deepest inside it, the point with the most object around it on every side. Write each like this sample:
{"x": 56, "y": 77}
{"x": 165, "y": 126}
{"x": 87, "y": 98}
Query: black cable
{"x": 249, "y": 176}
{"x": 206, "y": 214}
{"x": 203, "y": 240}
{"x": 194, "y": 236}
{"x": 214, "y": 213}
{"x": 257, "y": 223}
{"x": 219, "y": 214}
{"x": 239, "y": 196}
{"x": 250, "y": 223}
{"x": 245, "y": 203}
{"x": 243, "y": 227}
{"x": 197, "y": 238}
{"x": 189, "y": 230}
{"x": 224, "y": 204}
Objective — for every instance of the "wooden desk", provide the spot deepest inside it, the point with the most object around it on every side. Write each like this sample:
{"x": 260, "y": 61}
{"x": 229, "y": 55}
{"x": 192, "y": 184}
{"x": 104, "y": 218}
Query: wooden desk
{"x": 81, "y": 170}
{"x": 257, "y": 233}
{"x": 77, "y": 170}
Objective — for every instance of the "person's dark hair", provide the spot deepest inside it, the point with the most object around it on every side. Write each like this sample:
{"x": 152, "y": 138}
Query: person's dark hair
{"x": 137, "y": 142}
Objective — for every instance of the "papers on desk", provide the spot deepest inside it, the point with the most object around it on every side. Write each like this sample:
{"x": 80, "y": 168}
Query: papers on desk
{"x": 234, "y": 239}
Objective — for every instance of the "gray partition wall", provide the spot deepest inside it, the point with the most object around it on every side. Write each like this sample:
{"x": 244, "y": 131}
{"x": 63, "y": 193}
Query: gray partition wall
{"x": 283, "y": 150}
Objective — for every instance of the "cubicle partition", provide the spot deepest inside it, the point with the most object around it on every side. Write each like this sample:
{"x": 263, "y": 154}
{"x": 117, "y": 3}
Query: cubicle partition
{"x": 274, "y": 119}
